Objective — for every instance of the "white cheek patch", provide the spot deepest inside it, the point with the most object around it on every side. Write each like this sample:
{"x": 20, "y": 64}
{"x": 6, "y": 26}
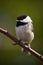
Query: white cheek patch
{"x": 27, "y": 19}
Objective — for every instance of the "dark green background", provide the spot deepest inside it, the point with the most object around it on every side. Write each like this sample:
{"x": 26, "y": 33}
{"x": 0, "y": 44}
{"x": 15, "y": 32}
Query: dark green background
{"x": 9, "y": 10}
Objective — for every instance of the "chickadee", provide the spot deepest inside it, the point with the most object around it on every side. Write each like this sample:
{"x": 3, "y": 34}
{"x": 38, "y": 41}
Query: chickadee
{"x": 24, "y": 30}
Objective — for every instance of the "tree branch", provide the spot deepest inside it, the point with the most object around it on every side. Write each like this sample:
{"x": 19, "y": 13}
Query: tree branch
{"x": 5, "y": 32}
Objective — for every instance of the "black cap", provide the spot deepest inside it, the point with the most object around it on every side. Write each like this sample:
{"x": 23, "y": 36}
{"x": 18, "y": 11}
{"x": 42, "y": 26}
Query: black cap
{"x": 21, "y": 17}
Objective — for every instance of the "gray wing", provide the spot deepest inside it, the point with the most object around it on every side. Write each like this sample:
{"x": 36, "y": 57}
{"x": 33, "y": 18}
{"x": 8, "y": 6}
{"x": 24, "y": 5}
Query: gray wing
{"x": 32, "y": 27}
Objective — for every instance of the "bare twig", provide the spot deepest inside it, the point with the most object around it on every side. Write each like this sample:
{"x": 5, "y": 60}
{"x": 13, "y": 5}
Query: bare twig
{"x": 5, "y": 32}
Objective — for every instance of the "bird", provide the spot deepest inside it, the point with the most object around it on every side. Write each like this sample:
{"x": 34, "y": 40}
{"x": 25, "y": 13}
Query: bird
{"x": 24, "y": 31}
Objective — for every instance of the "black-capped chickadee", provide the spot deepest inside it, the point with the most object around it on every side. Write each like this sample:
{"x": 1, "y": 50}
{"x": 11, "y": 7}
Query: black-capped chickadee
{"x": 24, "y": 30}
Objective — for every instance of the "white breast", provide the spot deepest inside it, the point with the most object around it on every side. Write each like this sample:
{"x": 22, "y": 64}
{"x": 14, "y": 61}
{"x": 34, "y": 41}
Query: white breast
{"x": 20, "y": 31}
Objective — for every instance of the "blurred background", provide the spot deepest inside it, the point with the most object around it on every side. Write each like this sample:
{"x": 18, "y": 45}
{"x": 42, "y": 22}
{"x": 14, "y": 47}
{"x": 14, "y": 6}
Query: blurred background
{"x": 9, "y": 10}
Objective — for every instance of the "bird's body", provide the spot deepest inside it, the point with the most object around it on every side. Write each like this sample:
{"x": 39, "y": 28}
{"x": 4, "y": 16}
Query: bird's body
{"x": 24, "y": 29}
{"x": 24, "y": 34}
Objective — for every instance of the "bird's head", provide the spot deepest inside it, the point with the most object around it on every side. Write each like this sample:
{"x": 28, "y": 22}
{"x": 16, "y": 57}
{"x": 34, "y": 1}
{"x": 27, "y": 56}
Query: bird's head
{"x": 23, "y": 20}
